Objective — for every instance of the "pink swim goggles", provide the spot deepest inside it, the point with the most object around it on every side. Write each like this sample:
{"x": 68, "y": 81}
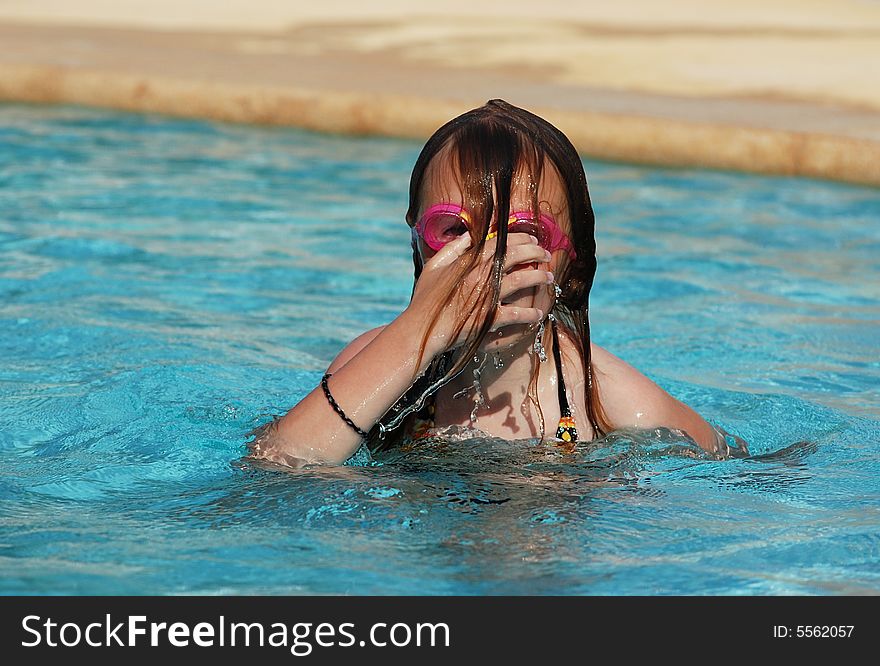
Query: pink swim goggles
{"x": 444, "y": 222}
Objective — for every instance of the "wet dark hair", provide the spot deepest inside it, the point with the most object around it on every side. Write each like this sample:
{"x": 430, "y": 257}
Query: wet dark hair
{"x": 488, "y": 147}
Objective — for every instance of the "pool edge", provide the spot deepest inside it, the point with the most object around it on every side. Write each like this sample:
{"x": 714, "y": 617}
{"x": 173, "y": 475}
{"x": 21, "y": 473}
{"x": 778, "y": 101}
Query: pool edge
{"x": 625, "y": 137}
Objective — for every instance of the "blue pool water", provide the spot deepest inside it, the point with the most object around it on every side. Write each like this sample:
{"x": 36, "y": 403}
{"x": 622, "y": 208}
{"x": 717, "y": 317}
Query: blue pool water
{"x": 167, "y": 285}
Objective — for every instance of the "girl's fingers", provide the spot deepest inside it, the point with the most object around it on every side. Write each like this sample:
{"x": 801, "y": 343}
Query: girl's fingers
{"x": 513, "y": 282}
{"x": 525, "y": 254}
{"x": 456, "y": 248}
{"x": 520, "y": 238}
{"x": 451, "y": 251}
{"x": 508, "y": 315}
{"x": 513, "y": 240}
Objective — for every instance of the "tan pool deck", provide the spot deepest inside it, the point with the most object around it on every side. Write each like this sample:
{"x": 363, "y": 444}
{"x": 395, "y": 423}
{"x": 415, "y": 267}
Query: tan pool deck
{"x": 779, "y": 87}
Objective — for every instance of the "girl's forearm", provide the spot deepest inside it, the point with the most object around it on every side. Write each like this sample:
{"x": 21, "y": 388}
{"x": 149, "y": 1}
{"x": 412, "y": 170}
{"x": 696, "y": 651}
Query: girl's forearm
{"x": 365, "y": 388}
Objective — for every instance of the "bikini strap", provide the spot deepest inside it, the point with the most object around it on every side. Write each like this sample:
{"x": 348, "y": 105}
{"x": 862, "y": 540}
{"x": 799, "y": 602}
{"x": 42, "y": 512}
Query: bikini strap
{"x": 567, "y": 430}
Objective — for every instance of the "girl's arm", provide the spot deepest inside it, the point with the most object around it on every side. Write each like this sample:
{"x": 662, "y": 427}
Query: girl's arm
{"x": 374, "y": 370}
{"x": 369, "y": 376}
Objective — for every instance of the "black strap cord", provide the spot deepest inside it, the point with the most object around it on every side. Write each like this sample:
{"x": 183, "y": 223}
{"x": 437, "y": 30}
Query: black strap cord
{"x": 560, "y": 381}
{"x": 338, "y": 409}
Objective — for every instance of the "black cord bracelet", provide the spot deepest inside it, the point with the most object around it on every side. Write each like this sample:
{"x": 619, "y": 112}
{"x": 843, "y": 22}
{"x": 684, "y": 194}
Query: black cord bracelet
{"x": 338, "y": 409}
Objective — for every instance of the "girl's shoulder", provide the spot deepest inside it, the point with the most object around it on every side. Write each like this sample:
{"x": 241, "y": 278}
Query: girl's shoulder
{"x": 614, "y": 369}
{"x": 621, "y": 378}
{"x": 353, "y": 347}
{"x": 632, "y": 400}
{"x": 627, "y": 397}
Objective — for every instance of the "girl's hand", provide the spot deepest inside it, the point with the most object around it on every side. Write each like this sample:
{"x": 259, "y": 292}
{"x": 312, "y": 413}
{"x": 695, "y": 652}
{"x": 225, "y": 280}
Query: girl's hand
{"x": 441, "y": 269}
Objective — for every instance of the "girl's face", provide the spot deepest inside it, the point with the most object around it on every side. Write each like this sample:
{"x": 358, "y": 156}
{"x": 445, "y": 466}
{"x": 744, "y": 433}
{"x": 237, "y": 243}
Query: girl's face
{"x": 441, "y": 186}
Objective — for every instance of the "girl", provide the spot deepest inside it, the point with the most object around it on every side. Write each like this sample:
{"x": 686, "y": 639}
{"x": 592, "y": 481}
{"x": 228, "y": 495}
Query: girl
{"x": 496, "y": 336}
